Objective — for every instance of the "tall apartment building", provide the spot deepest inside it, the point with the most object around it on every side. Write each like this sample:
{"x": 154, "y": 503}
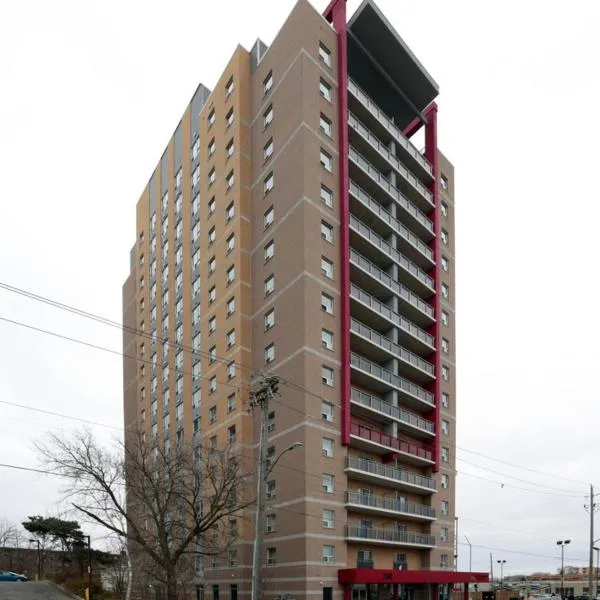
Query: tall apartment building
{"x": 292, "y": 228}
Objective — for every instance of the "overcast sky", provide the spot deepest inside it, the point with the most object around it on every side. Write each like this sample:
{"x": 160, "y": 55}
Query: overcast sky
{"x": 91, "y": 92}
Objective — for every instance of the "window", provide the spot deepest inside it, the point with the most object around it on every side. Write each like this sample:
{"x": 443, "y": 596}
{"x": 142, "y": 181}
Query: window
{"x": 212, "y": 294}
{"x": 445, "y": 373}
{"x": 230, "y": 180}
{"x": 215, "y": 564}
{"x": 231, "y": 436}
{"x": 233, "y": 561}
{"x": 268, "y": 116}
{"x": 212, "y": 265}
{"x": 326, "y": 160}
{"x": 268, "y": 183}
{"x": 325, "y": 125}
{"x": 211, "y": 118}
{"x": 212, "y": 387}
{"x": 196, "y": 148}
{"x": 445, "y": 481}
{"x": 443, "y": 561}
{"x": 328, "y": 483}
{"x": 269, "y": 217}
{"x": 230, "y": 275}
{"x": 230, "y": 212}
{"x": 327, "y": 232}
{"x": 444, "y": 235}
{"x": 196, "y": 204}
{"x": 324, "y": 54}
{"x": 269, "y": 285}
{"x": 212, "y": 176}
{"x": 270, "y": 319}
{"x": 166, "y": 422}
{"x": 231, "y": 370}
{"x": 271, "y": 556}
{"x": 230, "y": 338}
{"x": 179, "y": 412}
{"x": 445, "y": 263}
{"x": 212, "y": 236}
{"x": 196, "y": 176}
{"x": 328, "y": 553}
{"x": 325, "y": 90}
{"x": 444, "y": 508}
{"x": 445, "y": 346}
{"x": 196, "y": 341}
{"x": 179, "y": 307}
{"x": 268, "y": 83}
{"x": 364, "y": 556}
{"x": 445, "y": 454}
{"x": 212, "y": 324}
{"x": 195, "y": 232}
{"x": 229, "y": 118}
{"x": 212, "y": 146}
{"x": 271, "y": 523}
{"x": 179, "y": 334}
{"x": 327, "y": 376}
{"x": 269, "y": 251}
{"x": 212, "y": 443}
{"x": 326, "y": 267}
{"x": 196, "y": 398}
{"x": 445, "y": 427}
{"x": 327, "y": 446}
{"x": 211, "y": 206}
{"x": 271, "y": 489}
{"x": 444, "y": 209}
{"x": 443, "y": 534}
{"x": 268, "y": 150}
{"x": 444, "y": 182}
{"x": 178, "y": 178}
{"x": 326, "y": 303}
{"x": 231, "y": 403}
{"x": 445, "y": 290}
{"x": 327, "y": 411}
{"x": 271, "y": 421}
{"x": 270, "y": 353}
{"x": 328, "y": 519}
{"x": 212, "y": 355}
{"x": 229, "y": 87}
{"x": 445, "y": 400}
{"x": 445, "y": 318}
{"x": 326, "y": 196}
{"x": 230, "y": 306}
{"x": 326, "y": 339}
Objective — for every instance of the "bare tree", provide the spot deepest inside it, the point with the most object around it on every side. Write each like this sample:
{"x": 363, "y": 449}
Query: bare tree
{"x": 170, "y": 504}
{"x": 8, "y": 531}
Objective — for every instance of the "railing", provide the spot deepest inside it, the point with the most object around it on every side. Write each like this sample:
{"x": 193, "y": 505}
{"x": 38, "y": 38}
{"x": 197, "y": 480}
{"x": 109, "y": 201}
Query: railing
{"x": 398, "y": 257}
{"x": 397, "y": 319}
{"x": 392, "y": 504}
{"x": 394, "y": 444}
{"x": 398, "y": 289}
{"x": 387, "y": 123}
{"x": 389, "y": 535}
{"x": 394, "y": 412}
{"x": 389, "y": 472}
{"x": 393, "y": 348}
{"x": 373, "y": 140}
{"x": 386, "y": 216}
{"x": 393, "y": 191}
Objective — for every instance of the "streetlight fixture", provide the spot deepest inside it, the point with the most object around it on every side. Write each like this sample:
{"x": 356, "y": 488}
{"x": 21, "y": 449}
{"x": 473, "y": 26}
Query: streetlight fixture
{"x": 562, "y": 544}
{"x": 39, "y": 558}
{"x": 501, "y": 563}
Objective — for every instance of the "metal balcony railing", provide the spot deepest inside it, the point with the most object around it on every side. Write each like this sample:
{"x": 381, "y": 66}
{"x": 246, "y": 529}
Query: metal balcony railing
{"x": 394, "y": 444}
{"x": 387, "y": 217}
{"x": 399, "y": 137}
{"x": 389, "y": 535}
{"x": 395, "y": 318}
{"x": 390, "y": 504}
{"x": 393, "y": 348}
{"x": 399, "y": 258}
{"x": 373, "y": 140}
{"x": 393, "y": 191}
{"x": 394, "y": 412}
{"x": 376, "y": 469}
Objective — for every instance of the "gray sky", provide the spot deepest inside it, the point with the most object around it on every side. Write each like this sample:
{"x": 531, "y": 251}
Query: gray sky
{"x": 91, "y": 92}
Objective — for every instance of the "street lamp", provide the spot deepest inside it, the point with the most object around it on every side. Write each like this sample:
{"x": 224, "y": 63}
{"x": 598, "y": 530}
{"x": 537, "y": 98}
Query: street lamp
{"x": 501, "y": 563}
{"x": 562, "y": 544}
{"x": 263, "y": 473}
{"x": 39, "y": 559}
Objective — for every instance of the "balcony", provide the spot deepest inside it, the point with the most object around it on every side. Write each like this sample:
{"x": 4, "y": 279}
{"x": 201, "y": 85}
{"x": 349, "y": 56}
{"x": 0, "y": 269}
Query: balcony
{"x": 366, "y": 207}
{"x": 372, "y": 504}
{"x": 409, "y": 452}
{"x": 379, "y": 410}
{"x": 374, "y": 182}
{"x": 364, "y": 469}
{"x": 381, "y": 349}
{"x": 383, "y": 127}
{"x": 371, "y": 535}
{"x": 377, "y": 314}
{"x": 367, "y": 142}
{"x": 381, "y": 285}
{"x": 368, "y": 242}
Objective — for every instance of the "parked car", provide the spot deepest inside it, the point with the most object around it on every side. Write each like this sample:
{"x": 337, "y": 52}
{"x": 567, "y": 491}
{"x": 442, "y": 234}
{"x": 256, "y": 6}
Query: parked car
{"x": 10, "y": 576}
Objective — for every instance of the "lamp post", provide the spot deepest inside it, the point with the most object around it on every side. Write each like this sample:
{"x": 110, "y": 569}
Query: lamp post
{"x": 39, "y": 559}
{"x": 501, "y": 563}
{"x": 562, "y": 544}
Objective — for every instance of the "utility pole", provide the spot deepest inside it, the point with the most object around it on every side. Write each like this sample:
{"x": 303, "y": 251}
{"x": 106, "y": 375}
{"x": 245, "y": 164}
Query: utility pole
{"x": 492, "y": 569}
{"x": 591, "y": 509}
{"x": 89, "y": 541}
{"x": 456, "y": 543}
{"x": 470, "y": 552}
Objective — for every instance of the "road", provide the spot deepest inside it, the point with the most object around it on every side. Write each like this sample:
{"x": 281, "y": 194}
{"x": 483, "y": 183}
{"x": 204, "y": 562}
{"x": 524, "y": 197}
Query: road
{"x": 30, "y": 590}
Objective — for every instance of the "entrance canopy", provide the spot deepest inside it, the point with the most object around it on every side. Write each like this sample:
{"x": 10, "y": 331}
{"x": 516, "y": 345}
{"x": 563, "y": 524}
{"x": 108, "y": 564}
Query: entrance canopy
{"x": 350, "y": 576}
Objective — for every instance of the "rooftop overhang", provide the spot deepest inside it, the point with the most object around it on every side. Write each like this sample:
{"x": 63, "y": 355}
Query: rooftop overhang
{"x": 350, "y": 576}
{"x": 377, "y": 51}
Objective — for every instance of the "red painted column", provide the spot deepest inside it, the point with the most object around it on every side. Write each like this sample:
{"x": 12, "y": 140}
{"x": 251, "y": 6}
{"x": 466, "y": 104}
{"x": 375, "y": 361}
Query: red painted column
{"x": 348, "y": 591}
{"x": 466, "y": 592}
{"x": 336, "y": 14}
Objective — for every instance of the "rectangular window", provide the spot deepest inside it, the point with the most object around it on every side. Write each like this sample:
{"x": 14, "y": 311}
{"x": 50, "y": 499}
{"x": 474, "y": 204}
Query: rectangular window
{"x": 268, "y": 183}
{"x": 196, "y": 398}
{"x": 211, "y": 118}
{"x": 445, "y": 481}
{"x": 196, "y": 204}
{"x": 178, "y": 178}
{"x": 195, "y": 232}
{"x": 230, "y": 180}
{"x": 445, "y": 318}
{"x": 445, "y": 427}
{"x": 269, "y": 251}
{"x": 229, "y": 149}
{"x": 445, "y": 346}
{"x": 327, "y": 411}
{"x": 268, "y": 83}
{"x": 230, "y": 338}
{"x": 212, "y": 146}
{"x": 231, "y": 435}
{"x": 269, "y": 217}
{"x": 230, "y": 243}
{"x": 326, "y": 303}
{"x": 325, "y": 90}
{"x": 270, "y": 353}
{"x": 444, "y": 182}
{"x": 445, "y": 373}
{"x": 327, "y": 232}
{"x": 271, "y": 523}
{"x": 212, "y": 206}
{"x": 229, "y": 87}
{"x": 325, "y": 125}
{"x": 445, "y": 400}
{"x": 230, "y": 306}
{"x": 269, "y": 285}
{"x": 231, "y": 370}
{"x": 445, "y": 454}
{"x": 445, "y": 290}
{"x": 212, "y": 176}
{"x": 444, "y": 209}
{"x": 326, "y": 196}
{"x": 324, "y": 54}
{"x": 444, "y": 235}
{"x": 212, "y": 355}
{"x": 233, "y": 561}
{"x": 443, "y": 561}
{"x": 196, "y": 148}
{"x": 212, "y": 294}
{"x": 328, "y": 553}
{"x": 328, "y": 519}
{"x": 212, "y": 387}
{"x": 270, "y": 319}
{"x": 327, "y": 376}
{"x": 326, "y": 267}
{"x": 231, "y": 403}
{"x": 326, "y": 160}
{"x": 271, "y": 556}
{"x": 196, "y": 176}
{"x": 328, "y": 483}
{"x": 327, "y": 339}
{"x": 268, "y": 150}
{"x": 230, "y": 211}
{"x": 327, "y": 447}
{"x": 445, "y": 264}
{"x": 271, "y": 489}
{"x": 444, "y": 508}
{"x": 212, "y": 265}
{"x": 230, "y": 275}
{"x": 268, "y": 116}
{"x": 212, "y": 325}
{"x": 212, "y": 236}
{"x": 443, "y": 534}
{"x": 229, "y": 118}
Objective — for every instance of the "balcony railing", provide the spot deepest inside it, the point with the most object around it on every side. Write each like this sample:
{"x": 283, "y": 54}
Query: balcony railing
{"x": 399, "y": 137}
{"x": 376, "y": 469}
{"x": 373, "y": 140}
{"x": 393, "y": 348}
{"x": 397, "y": 288}
{"x": 395, "y": 318}
{"x": 387, "y": 217}
{"x": 390, "y": 504}
{"x": 389, "y": 535}
{"x": 393, "y": 191}
{"x": 394, "y": 412}
{"x": 394, "y": 444}
{"x": 396, "y": 256}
